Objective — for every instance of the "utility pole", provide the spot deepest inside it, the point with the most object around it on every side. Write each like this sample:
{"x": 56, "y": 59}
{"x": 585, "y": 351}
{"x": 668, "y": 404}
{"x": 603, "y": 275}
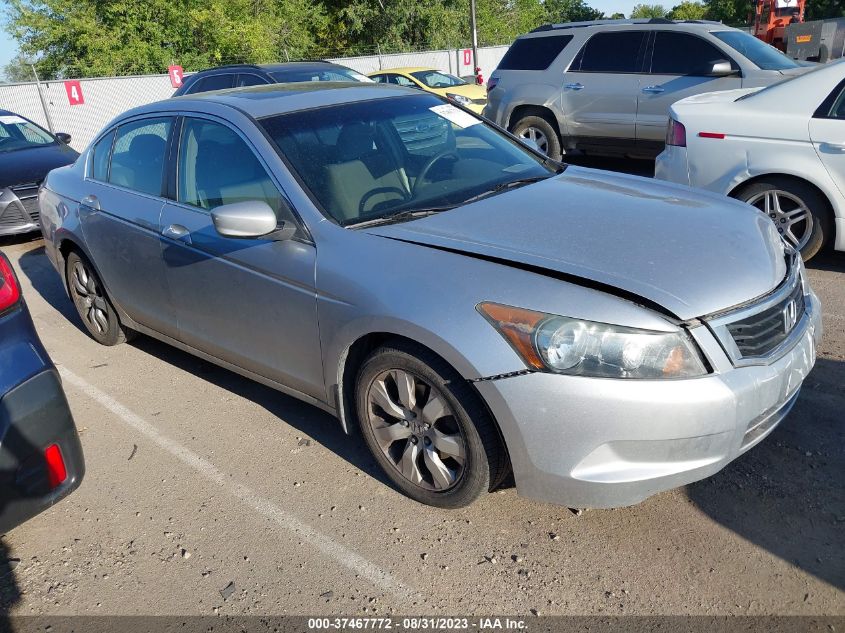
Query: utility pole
{"x": 43, "y": 101}
{"x": 474, "y": 28}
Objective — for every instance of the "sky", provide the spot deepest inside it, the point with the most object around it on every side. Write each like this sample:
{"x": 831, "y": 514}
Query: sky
{"x": 8, "y": 47}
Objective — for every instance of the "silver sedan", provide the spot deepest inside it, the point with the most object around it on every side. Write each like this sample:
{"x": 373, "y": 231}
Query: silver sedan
{"x": 472, "y": 307}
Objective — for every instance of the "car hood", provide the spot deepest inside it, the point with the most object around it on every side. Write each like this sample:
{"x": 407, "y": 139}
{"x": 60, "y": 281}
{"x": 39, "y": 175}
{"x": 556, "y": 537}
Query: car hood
{"x": 692, "y": 253}
{"x": 470, "y": 91}
{"x": 31, "y": 165}
{"x": 722, "y": 96}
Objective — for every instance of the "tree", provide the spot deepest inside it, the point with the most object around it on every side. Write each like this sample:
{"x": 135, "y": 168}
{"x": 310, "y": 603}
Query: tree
{"x": 688, "y": 10}
{"x": 649, "y": 11}
{"x": 617, "y": 16}
{"x": 729, "y": 11}
{"x": 570, "y": 11}
{"x": 18, "y": 70}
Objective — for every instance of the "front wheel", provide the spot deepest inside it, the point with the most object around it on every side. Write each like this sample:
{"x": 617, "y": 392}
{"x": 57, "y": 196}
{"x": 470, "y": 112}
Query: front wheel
{"x": 426, "y": 428}
{"x": 799, "y": 211}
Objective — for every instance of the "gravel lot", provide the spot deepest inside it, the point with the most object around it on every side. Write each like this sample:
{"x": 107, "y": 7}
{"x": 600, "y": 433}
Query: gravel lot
{"x": 207, "y": 493}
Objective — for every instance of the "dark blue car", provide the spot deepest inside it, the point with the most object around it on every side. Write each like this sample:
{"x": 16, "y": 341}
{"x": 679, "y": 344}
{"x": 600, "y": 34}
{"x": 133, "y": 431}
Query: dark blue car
{"x": 40, "y": 453}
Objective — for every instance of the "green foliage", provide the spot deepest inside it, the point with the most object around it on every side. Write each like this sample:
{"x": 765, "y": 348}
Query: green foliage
{"x": 688, "y": 10}
{"x": 570, "y": 11}
{"x": 649, "y": 11}
{"x": 18, "y": 70}
{"x": 617, "y": 16}
{"x": 734, "y": 12}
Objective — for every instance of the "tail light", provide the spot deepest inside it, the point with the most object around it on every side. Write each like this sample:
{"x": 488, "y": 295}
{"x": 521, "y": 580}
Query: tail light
{"x": 10, "y": 292}
{"x": 491, "y": 83}
{"x": 676, "y": 134}
{"x": 56, "y": 471}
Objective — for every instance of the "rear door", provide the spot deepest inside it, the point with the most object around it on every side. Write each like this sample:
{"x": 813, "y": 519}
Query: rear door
{"x": 120, "y": 218}
{"x": 249, "y": 302}
{"x": 599, "y": 97}
{"x": 827, "y": 132}
{"x": 677, "y": 67}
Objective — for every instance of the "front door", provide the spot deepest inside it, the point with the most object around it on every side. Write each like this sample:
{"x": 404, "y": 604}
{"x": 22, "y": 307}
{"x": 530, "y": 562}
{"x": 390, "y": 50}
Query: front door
{"x": 120, "y": 214}
{"x": 249, "y": 302}
{"x": 677, "y": 69}
{"x": 599, "y": 93}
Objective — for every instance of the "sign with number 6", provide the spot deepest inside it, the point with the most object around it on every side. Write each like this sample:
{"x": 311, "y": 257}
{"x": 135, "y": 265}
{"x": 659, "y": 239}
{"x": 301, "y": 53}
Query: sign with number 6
{"x": 176, "y": 75}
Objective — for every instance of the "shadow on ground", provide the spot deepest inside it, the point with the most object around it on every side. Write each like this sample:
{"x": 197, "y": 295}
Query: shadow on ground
{"x": 311, "y": 421}
{"x": 786, "y": 494}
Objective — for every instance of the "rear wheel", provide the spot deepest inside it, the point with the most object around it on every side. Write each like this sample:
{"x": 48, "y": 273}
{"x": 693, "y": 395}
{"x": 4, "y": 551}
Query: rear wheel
{"x": 541, "y": 132}
{"x": 426, "y": 428}
{"x": 94, "y": 307}
{"x": 799, "y": 211}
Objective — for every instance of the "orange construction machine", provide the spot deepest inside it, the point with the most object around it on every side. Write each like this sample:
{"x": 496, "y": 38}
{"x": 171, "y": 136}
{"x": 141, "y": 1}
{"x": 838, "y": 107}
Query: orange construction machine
{"x": 771, "y": 17}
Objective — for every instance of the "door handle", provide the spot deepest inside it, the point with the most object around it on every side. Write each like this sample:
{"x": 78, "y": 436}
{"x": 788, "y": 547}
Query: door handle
{"x": 177, "y": 232}
{"x": 833, "y": 148}
{"x": 654, "y": 90}
{"x": 91, "y": 202}
{"x": 574, "y": 86}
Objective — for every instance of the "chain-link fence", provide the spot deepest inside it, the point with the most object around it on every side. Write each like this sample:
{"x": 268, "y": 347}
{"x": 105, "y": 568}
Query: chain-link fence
{"x": 106, "y": 97}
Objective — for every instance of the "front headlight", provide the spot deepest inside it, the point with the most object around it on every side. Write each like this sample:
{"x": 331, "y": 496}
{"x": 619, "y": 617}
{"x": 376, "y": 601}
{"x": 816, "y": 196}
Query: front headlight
{"x": 587, "y": 348}
{"x": 464, "y": 101}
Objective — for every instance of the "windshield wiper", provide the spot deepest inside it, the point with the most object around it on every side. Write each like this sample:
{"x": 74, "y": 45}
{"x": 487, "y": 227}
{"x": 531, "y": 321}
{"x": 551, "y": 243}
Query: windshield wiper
{"x": 402, "y": 216}
{"x": 502, "y": 186}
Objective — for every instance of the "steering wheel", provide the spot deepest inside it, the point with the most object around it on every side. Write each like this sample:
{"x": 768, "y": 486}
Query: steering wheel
{"x": 431, "y": 163}
{"x": 374, "y": 192}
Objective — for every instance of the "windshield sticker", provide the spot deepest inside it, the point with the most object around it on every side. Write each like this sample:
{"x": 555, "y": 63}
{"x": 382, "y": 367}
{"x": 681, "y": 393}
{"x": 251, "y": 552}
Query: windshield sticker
{"x": 11, "y": 119}
{"x": 455, "y": 115}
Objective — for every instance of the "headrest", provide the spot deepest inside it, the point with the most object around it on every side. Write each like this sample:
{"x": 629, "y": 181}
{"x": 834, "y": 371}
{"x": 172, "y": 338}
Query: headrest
{"x": 147, "y": 146}
{"x": 354, "y": 141}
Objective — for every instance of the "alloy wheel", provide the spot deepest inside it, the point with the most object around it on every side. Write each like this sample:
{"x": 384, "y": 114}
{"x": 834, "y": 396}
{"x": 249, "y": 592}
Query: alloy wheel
{"x": 89, "y": 296}
{"x": 416, "y": 429}
{"x": 536, "y": 135}
{"x": 792, "y": 217}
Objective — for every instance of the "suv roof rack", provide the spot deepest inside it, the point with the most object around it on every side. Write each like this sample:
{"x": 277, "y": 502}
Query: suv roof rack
{"x": 576, "y": 25}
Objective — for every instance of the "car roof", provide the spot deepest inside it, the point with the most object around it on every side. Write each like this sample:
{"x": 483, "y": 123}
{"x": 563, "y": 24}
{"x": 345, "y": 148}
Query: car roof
{"x": 706, "y": 25}
{"x": 280, "y": 98}
{"x": 273, "y": 66}
{"x": 405, "y": 69}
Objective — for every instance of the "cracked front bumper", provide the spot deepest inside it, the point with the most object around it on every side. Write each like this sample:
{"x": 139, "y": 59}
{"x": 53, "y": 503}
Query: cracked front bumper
{"x": 599, "y": 443}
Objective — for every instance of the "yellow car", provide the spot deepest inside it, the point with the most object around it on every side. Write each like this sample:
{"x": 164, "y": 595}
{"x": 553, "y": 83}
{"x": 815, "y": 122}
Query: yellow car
{"x": 453, "y": 88}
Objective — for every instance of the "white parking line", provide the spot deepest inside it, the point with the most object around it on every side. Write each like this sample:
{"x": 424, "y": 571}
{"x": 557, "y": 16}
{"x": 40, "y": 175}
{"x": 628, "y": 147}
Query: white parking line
{"x": 340, "y": 553}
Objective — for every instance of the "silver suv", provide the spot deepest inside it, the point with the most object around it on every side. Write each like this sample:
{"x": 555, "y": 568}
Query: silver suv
{"x": 605, "y": 87}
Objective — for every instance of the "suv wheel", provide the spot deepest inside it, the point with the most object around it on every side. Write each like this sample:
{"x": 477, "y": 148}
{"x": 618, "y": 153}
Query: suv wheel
{"x": 539, "y": 130}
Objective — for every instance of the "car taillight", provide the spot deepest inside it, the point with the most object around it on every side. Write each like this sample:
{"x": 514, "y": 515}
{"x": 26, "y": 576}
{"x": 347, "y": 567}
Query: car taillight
{"x": 56, "y": 471}
{"x": 491, "y": 83}
{"x": 10, "y": 292}
{"x": 676, "y": 134}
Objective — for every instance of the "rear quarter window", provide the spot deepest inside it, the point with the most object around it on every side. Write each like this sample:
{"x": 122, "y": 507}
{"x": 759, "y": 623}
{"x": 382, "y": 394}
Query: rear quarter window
{"x": 534, "y": 53}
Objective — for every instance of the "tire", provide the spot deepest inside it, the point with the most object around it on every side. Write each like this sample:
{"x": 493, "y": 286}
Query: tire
{"x": 428, "y": 464}
{"x": 810, "y": 234}
{"x": 541, "y": 131}
{"x": 92, "y": 303}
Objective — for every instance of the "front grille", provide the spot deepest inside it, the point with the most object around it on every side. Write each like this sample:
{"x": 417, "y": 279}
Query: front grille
{"x": 12, "y": 217}
{"x": 28, "y": 196}
{"x": 761, "y": 333}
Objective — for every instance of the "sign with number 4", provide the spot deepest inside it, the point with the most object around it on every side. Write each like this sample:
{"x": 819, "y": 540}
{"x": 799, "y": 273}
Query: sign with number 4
{"x": 74, "y": 93}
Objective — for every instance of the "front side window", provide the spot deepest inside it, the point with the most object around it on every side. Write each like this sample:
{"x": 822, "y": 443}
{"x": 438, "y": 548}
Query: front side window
{"x": 100, "y": 160}
{"x": 683, "y": 54}
{"x": 213, "y": 82}
{"x": 436, "y": 79}
{"x": 757, "y": 51}
{"x": 613, "y": 52}
{"x": 217, "y": 167}
{"x": 137, "y": 161}
{"x": 373, "y": 160}
{"x": 18, "y": 133}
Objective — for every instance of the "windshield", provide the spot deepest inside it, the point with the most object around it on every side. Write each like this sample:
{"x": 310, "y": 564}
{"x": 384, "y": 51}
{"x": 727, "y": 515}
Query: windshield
{"x": 436, "y": 79}
{"x": 376, "y": 159}
{"x": 317, "y": 74}
{"x": 763, "y": 55}
{"x": 18, "y": 133}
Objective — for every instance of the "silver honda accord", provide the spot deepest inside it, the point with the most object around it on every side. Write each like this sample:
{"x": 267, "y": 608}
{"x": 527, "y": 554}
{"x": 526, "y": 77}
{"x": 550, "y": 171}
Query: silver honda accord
{"x": 470, "y": 306}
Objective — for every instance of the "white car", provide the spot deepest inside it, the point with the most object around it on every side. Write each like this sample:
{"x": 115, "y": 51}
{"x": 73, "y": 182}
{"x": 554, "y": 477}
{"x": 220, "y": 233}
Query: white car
{"x": 780, "y": 149}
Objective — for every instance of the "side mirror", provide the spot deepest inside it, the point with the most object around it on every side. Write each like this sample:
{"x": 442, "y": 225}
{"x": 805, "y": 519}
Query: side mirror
{"x": 64, "y": 137}
{"x": 721, "y": 68}
{"x": 249, "y": 220}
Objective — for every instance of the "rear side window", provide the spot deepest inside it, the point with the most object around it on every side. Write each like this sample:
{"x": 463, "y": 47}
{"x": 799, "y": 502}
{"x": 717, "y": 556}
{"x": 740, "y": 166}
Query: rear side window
{"x": 214, "y": 82}
{"x": 138, "y": 157}
{"x": 248, "y": 79}
{"x": 100, "y": 162}
{"x": 614, "y": 52}
{"x": 534, "y": 53}
{"x": 683, "y": 54}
